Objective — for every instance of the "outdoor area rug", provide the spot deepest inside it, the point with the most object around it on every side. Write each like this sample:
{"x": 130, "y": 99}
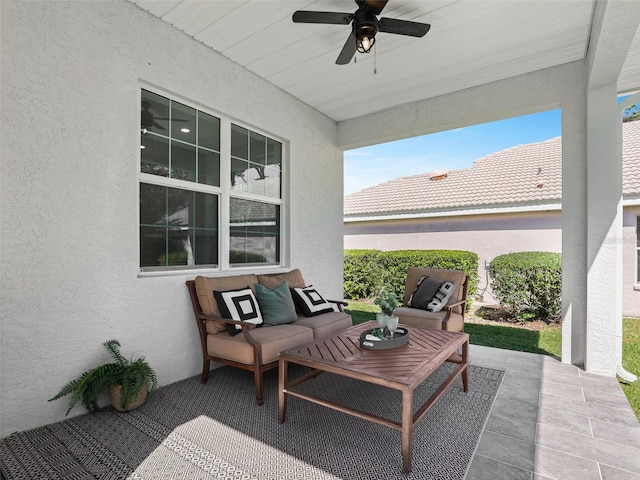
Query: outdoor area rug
{"x": 187, "y": 430}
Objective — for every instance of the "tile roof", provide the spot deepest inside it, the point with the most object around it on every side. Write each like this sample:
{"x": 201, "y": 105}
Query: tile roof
{"x": 525, "y": 175}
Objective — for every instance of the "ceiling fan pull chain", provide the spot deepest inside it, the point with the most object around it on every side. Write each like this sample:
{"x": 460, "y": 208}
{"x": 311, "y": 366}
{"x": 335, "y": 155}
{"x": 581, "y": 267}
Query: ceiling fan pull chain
{"x": 375, "y": 60}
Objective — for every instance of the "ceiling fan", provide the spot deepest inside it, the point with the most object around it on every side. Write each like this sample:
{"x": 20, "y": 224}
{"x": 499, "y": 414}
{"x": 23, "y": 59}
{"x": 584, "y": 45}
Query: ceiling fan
{"x": 364, "y": 26}
{"x": 148, "y": 120}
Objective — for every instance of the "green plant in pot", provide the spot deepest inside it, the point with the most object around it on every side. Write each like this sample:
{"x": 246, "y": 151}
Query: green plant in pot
{"x": 388, "y": 302}
{"x": 128, "y": 382}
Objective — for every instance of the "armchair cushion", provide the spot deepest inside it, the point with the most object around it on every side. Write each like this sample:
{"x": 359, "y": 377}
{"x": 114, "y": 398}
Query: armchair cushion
{"x": 276, "y": 304}
{"x": 240, "y": 305}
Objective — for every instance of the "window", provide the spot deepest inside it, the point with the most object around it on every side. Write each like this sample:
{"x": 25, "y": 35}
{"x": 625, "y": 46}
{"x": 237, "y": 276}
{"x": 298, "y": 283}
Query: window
{"x": 189, "y": 216}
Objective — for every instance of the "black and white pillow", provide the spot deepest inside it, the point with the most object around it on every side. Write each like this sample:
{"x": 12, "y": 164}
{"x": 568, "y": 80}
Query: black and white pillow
{"x": 238, "y": 305}
{"x": 423, "y": 294}
{"x": 441, "y": 297}
{"x": 310, "y": 302}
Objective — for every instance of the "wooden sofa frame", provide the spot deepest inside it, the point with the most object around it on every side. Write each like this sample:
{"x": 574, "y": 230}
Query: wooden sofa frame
{"x": 257, "y": 368}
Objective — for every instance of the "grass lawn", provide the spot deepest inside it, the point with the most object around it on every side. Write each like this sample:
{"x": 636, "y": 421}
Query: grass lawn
{"x": 543, "y": 339}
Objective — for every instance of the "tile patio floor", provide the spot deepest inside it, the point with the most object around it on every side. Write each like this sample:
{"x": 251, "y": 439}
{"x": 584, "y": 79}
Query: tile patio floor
{"x": 554, "y": 421}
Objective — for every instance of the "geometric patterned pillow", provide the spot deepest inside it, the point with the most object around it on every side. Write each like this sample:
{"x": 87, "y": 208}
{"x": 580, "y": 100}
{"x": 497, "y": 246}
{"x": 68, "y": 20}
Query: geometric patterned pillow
{"x": 238, "y": 305}
{"x": 310, "y": 301}
{"x": 441, "y": 297}
{"x": 423, "y": 294}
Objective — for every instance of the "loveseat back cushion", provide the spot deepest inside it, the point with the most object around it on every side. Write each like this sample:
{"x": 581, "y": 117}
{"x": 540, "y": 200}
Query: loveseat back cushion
{"x": 276, "y": 304}
{"x": 240, "y": 305}
{"x": 204, "y": 290}
{"x": 415, "y": 273}
{"x": 272, "y": 280}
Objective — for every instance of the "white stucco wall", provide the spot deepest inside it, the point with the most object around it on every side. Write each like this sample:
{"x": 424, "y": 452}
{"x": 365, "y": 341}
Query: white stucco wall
{"x": 630, "y": 286}
{"x": 489, "y": 236}
{"x": 486, "y": 235}
{"x": 71, "y": 74}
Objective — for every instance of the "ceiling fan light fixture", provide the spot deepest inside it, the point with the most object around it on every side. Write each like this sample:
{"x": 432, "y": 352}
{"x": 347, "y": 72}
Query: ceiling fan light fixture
{"x": 365, "y": 38}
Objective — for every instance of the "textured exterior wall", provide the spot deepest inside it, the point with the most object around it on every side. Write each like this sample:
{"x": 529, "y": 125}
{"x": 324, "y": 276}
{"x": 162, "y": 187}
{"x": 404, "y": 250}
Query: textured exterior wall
{"x": 490, "y": 236}
{"x": 71, "y": 77}
{"x": 630, "y": 286}
{"x": 486, "y": 235}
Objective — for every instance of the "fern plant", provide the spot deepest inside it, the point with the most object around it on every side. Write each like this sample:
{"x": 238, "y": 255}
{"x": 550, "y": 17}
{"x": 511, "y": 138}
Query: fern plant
{"x": 133, "y": 376}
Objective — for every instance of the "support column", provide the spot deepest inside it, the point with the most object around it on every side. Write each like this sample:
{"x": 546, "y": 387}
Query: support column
{"x": 574, "y": 229}
{"x": 604, "y": 229}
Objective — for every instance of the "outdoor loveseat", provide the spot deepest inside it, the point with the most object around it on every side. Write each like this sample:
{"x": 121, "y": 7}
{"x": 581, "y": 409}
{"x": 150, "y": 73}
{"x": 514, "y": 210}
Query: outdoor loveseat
{"x": 248, "y": 343}
{"x": 415, "y": 310}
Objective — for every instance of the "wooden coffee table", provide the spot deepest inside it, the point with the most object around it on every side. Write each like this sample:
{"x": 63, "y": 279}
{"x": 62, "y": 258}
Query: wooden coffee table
{"x": 403, "y": 369}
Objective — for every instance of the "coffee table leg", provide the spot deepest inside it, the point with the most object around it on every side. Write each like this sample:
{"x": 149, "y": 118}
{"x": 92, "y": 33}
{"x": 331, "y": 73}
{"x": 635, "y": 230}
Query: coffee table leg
{"x": 465, "y": 361}
{"x": 282, "y": 398}
{"x": 407, "y": 430}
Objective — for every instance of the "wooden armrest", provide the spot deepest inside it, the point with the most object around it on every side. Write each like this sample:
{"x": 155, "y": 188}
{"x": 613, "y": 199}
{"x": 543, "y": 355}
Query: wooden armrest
{"x": 339, "y": 302}
{"x": 247, "y": 325}
{"x": 449, "y": 306}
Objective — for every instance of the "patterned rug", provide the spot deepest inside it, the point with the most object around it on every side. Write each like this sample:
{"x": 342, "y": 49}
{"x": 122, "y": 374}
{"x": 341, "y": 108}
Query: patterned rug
{"x": 187, "y": 430}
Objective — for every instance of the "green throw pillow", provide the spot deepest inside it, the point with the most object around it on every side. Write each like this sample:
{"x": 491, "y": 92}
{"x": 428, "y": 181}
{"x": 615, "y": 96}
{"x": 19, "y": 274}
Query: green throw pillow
{"x": 276, "y": 305}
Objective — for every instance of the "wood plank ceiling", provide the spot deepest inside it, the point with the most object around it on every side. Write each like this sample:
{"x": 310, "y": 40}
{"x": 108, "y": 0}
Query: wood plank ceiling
{"x": 471, "y": 42}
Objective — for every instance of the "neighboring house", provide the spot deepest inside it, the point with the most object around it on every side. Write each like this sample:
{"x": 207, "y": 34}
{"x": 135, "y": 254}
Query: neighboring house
{"x": 509, "y": 201}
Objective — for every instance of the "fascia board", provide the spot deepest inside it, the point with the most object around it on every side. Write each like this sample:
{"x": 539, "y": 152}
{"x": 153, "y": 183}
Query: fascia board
{"x": 454, "y": 213}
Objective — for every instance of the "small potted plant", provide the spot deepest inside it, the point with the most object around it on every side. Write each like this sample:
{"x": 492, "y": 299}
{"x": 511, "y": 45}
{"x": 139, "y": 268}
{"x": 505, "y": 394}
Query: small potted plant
{"x": 128, "y": 382}
{"x": 388, "y": 302}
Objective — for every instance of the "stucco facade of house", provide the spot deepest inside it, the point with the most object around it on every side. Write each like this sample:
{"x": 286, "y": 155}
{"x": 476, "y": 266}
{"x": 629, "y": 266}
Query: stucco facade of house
{"x": 509, "y": 201}
{"x": 72, "y": 74}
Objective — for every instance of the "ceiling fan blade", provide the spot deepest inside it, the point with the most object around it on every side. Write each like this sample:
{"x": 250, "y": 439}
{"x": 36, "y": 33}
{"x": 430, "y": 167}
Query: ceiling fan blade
{"x": 403, "y": 27}
{"x": 348, "y": 51}
{"x": 372, "y": 6}
{"x": 173, "y": 119}
{"x": 304, "y": 16}
{"x": 158, "y": 126}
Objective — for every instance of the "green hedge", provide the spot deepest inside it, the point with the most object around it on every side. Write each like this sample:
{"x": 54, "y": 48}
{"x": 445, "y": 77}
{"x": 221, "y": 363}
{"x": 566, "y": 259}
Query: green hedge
{"x": 367, "y": 271}
{"x": 528, "y": 284}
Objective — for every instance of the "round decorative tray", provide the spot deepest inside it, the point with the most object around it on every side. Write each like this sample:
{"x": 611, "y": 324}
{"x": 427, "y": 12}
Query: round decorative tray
{"x": 367, "y": 341}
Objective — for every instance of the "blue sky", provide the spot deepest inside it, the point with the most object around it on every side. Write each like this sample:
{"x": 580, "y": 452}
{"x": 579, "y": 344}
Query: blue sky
{"x": 452, "y": 150}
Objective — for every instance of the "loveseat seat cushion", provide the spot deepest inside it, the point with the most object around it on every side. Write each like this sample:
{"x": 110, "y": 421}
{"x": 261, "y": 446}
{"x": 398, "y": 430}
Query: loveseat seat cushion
{"x": 273, "y": 340}
{"x": 325, "y": 324}
{"x": 205, "y": 287}
{"x": 433, "y": 320}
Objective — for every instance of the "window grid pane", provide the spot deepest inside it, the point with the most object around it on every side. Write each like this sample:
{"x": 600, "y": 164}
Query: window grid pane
{"x": 254, "y": 232}
{"x": 177, "y": 227}
{"x": 172, "y": 135}
{"x": 180, "y": 226}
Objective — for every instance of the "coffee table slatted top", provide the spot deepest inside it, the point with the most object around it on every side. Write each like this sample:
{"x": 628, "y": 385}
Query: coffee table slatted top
{"x": 406, "y": 365}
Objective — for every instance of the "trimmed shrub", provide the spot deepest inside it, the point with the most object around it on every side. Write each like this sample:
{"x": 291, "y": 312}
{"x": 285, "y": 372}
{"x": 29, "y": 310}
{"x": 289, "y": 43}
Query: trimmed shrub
{"x": 528, "y": 284}
{"x": 362, "y": 273}
{"x": 367, "y": 271}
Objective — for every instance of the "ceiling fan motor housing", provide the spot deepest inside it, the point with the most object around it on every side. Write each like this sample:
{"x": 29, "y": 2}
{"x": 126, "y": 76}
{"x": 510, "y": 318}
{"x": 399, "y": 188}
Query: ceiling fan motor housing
{"x": 365, "y": 24}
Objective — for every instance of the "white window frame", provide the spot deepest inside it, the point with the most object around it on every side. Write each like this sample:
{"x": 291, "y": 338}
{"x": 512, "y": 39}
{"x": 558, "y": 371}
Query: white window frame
{"x": 224, "y": 193}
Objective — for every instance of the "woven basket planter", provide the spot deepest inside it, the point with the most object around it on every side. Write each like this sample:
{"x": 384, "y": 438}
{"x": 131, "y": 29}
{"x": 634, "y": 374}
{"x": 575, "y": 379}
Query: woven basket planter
{"x": 132, "y": 404}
